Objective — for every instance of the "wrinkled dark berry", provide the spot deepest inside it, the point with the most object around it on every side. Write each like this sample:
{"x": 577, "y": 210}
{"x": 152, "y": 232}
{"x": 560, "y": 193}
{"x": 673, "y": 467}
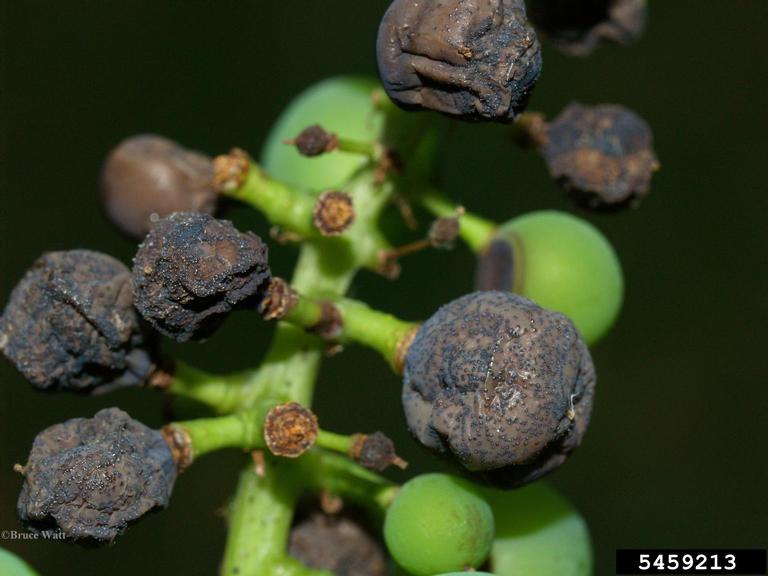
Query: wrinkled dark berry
{"x": 337, "y": 544}
{"x": 474, "y": 59}
{"x": 375, "y": 452}
{"x": 91, "y": 477}
{"x": 601, "y": 155}
{"x": 192, "y": 270}
{"x": 148, "y": 177}
{"x": 500, "y": 382}
{"x": 314, "y": 141}
{"x": 577, "y": 27}
{"x": 70, "y": 324}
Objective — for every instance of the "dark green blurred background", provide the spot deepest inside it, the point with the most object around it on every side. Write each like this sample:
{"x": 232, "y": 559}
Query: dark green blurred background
{"x": 676, "y": 455}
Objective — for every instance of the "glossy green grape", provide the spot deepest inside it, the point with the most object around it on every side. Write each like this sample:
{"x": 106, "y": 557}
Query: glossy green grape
{"x": 562, "y": 263}
{"x": 12, "y": 565}
{"x": 438, "y": 523}
{"x": 538, "y": 533}
{"x": 342, "y": 105}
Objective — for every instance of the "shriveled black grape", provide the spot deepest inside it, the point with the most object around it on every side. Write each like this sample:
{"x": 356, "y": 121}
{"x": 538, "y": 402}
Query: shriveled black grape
{"x": 91, "y": 477}
{"x": 70, "y": 324}
{"x": 500, "y": 382}
{"x": 147, "y": 177}
{"x": 601, "y": 155}
{"x": 474, "y": 59}
{"x": 577, "y": 27}
{"x": 192, "y": 270}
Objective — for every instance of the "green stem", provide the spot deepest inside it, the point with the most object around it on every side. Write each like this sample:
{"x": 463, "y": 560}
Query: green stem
{"x": 356, "y": 147}
{"x": 221, "y": 392}
{"x": 476, "y": 231}
{"x": 335, "y": 442}
{"x": 281, "y": 204}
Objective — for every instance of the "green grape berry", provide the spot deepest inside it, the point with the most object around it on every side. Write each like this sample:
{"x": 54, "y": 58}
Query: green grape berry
{"x": 562, "y": 263}
{"x": 538, "y": 533}
{"x": 467, "y": 574}
{"x": 342, "y": 105}
{"x": 438, "y": 523}
{"x": 12, "y": 565}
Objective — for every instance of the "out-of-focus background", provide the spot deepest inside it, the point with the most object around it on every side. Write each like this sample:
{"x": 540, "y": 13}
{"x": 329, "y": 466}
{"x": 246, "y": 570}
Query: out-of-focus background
{"x": 676, "y": 455}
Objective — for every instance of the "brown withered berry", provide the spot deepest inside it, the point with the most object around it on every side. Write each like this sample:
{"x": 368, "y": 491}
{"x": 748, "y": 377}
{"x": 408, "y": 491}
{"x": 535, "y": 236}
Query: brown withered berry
{"x": 576, "y": 27}
{"x": 148, "y": 177}
{"x": 192, "y": 270}
{"x": 601, "y": 155}
{"x": 473, "y": 59}
{"x": 337, "y": 544}
{"x": 70, "y": 324}
{"x": 503, "y": 384}
{"x": 91, "y": 477}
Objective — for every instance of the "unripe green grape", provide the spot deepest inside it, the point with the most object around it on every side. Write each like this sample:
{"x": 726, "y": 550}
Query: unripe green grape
{"x": 12, "y": 565}
{"x": 342, "y": 105}
{"x": 467, "y": 574}
{"x": 438, "y": 523}
{"x": 562, "y": 263}
{"x": 538, "y": 533}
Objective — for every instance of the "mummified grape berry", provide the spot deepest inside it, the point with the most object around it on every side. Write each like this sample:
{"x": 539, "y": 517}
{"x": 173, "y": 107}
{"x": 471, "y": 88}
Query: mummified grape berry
{"x": 192, "y": 270}
{"x": 337, "y": 544}
{"x": 576, "y": 27}
{"x": 438, "y": 523}
{"x": 91, "y": 477}
{"x": 601, "y": 155}
{"x": 474, "y": 59}
{"x": 562, "y": 263}
{"x": 148, "y": 177}
{"x": 70, "y": 324}
{"x": 538, "y": 533}
{"x": 500, "y": 382}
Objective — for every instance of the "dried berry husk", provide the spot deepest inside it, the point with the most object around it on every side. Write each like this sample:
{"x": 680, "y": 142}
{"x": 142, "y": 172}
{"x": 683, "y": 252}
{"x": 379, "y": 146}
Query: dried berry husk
{"x": 577, "y": 27}
{"x": 192, "y": 270}
{"x": 91, "y": 477}
{"x": 473, "y": 59}
{"x": 70, "y": 324}
{"x": 148, "y": 177}
{"x": 337, "y": 544}
{"x": 503, "y": 384}
{"x": 602, "y": 156}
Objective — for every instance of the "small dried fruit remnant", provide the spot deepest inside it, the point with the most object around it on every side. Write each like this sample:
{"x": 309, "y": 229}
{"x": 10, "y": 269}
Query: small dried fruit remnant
{"x": 503, "y": 384}
{"x": 290, "y": 430}
{"x": 576, "y": 27}
{"x": 339, "y": 545}
{"x": 192, "y": 270}
{"x": 314, "y": 141}
{"x": 91, "y": 477}
{"x": 375, "y": 452}
{"x": 70, "y": 324}
{"x": 231, "y": 170}
{"x": 334, "y": 213}
{"x": 148, "y": 177}
{"x": 443, "y": 232}
{"x": 279, "y": 299}
{"x": 474, "y": 59}
{"x": 601, "y": 155}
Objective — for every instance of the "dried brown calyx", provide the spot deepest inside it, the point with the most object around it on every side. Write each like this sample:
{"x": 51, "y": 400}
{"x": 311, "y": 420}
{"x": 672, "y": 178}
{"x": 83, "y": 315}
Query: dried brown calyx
{"x": 91, "y": 477}
{"x": 601, "y": 155}
{"x": 375, "y": 452}
{"x": 504, "y": 385}
{"x": 337, "y": 544}
{"x": 230, "y": 170}
{"x": 314, "y": 141}
{"x": 290, "y": 430}
{"x": 473, "y": 59}
{"x": 70, "y": 324}
{"x": 278, "y": 300}
{"x": 333, "y": 213}
{"x": 148, "y": 177}
{"x": 192, "y": 270}
{"x": 577, "y": 27}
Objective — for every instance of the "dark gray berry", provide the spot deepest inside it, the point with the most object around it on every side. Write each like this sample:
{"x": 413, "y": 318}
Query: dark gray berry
{"x": 91, "y": 477}
{"x": 192, "y": 270}
{"x": 474, "y": 59}
{"x": 70, "y": 324}
{"x": 148, "y": 177}
{"x": 602, "y": 156}
{"x": 500, "y": 382}
{"x": 577, "y": 27}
